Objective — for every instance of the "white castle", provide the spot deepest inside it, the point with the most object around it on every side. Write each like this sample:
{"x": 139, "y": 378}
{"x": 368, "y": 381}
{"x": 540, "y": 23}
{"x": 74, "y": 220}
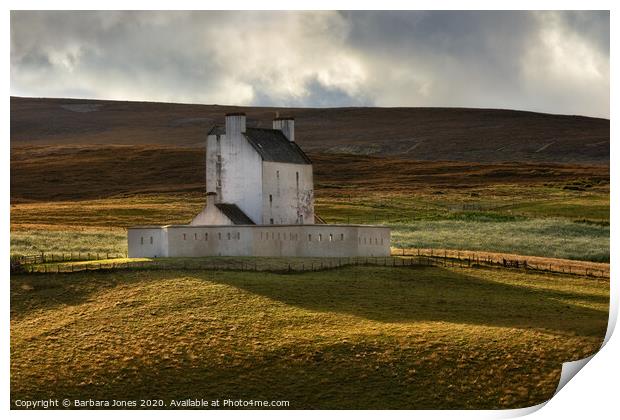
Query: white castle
{"x": 260, "y": 202}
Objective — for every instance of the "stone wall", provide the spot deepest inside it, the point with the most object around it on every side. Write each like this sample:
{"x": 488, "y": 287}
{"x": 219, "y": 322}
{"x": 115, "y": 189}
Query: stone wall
{"x": 288, "y": 194}
{"x": 260, "y": 240}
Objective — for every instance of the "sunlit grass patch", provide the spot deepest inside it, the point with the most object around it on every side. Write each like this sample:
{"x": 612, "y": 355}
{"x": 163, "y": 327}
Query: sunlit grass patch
{"x": 559, "y": 238}
{"x": 358, "y": 337}
{"x": 25, "y": 242}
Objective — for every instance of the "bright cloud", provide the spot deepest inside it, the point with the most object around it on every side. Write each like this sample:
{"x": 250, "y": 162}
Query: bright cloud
{"x": 545, "y": 61}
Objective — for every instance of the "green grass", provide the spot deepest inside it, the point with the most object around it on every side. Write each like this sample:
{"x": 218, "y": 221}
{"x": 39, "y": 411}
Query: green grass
{"x": 357, "y": 337}
{"x": 59, "y": 241}
{"x": 557, "y": 238}
{"x": 542, "y": 220}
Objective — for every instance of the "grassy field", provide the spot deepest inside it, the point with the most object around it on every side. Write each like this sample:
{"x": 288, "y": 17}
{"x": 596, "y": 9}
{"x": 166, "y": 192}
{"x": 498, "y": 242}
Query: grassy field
{"x": 69, "y": 198}
{"x": 353, "y": 337}
{"x": 357, "y": 337}
{"x": 556, "y": 238}
{"x": 538, "y": 220}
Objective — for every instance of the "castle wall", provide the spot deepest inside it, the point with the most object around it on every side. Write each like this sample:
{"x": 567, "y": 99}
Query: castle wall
{"x": 288, "y": 193}
{"x": 260, "y": 240}
{"x": 148, "y": 241}
{"x": 236, "y": 176}
{"x": 211, "y": 215}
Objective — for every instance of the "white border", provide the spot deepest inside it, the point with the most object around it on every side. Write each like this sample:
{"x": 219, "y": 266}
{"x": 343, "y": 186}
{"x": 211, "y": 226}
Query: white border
{"x": 592, "y": 394}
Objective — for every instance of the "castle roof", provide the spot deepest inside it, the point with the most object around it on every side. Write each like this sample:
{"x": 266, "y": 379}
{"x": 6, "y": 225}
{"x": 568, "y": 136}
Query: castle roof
{"x": 272, "y": 145}
{"x": 234, "y": 213}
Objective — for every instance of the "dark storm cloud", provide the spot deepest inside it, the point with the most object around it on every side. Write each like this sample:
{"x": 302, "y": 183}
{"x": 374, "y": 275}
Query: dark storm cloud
{"x": 544, "y": 61}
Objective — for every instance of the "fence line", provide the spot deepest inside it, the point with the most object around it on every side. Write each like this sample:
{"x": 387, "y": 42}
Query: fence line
{"x": 296, "y": 266}
{"x": 283, "y": 267}
{"x": 48, "y": 257}
{"x": 473, "y": 258}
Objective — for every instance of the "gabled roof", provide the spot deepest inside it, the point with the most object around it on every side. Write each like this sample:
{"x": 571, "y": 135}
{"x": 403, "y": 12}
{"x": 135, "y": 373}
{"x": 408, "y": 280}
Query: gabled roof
{"x": 272, "y": 145}
{"x": 234, "y": 213}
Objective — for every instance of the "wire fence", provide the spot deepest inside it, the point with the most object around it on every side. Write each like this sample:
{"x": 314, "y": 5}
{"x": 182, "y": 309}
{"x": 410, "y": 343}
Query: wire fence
{"x": 407, "y": 258}
{"x": 259, "y": 265}
{"x": 47, "y": 257}
{"x": 473, "y": 258}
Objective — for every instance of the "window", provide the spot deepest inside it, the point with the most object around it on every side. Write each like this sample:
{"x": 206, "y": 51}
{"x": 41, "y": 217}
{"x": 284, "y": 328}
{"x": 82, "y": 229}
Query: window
{"x": 219, "y": 235}
{"x": 342, "y": 236}
{"x": 320, "y": 237}
{"x": 278, "y": 174}
{"x": 184, "y": 236}
{"x": 141, "y": 240}
{"x": 195, "y": 236}
{"x": 151, "y": 240}
{"x": 271, "y": 220}
{"x": 376, "y": 241}
{"x": 309, "y": 237}
{"x": 228, "y": 236}
{"x": 291, "y": 236}
{"x": 364, "y": 241}
{"x": 297, "y": 179}
{"x": 261, "y": 235}
{"x": 331, "y": 237}
{"x": 278, "y": 236}
{"x": 270, "y": 199}
{"x": 206, "y": 236}
{"x": 238, "y": 235}
{"x": 381, "y": 241}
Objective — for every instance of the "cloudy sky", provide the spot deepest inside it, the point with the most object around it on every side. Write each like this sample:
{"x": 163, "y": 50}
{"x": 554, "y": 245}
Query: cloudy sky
{"x": 554, "y": 62}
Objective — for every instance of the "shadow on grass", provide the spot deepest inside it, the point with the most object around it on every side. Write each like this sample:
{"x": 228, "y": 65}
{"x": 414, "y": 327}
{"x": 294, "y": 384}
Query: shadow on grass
{"x": 377, "y": 371}
{"x": 388, "y": 294}
{"x": 383, "y": 294}
{"x": 320, "y": 376}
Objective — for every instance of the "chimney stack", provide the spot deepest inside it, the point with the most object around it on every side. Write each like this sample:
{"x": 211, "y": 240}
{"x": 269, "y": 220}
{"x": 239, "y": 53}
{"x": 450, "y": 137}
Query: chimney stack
{"x": 235, "y": 124}
{"x": 287, "y": 126}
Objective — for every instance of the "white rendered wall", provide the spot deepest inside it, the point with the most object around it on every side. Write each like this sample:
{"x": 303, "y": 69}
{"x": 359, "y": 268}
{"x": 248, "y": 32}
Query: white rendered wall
{"x": 240, "y": 178}
{"x": 288, "y": 198}
{"x": 266, "y": 241}
{"x": 148, "y": 242}
{"x": 213, "y": 142}
{"x": 211, "y": 215}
